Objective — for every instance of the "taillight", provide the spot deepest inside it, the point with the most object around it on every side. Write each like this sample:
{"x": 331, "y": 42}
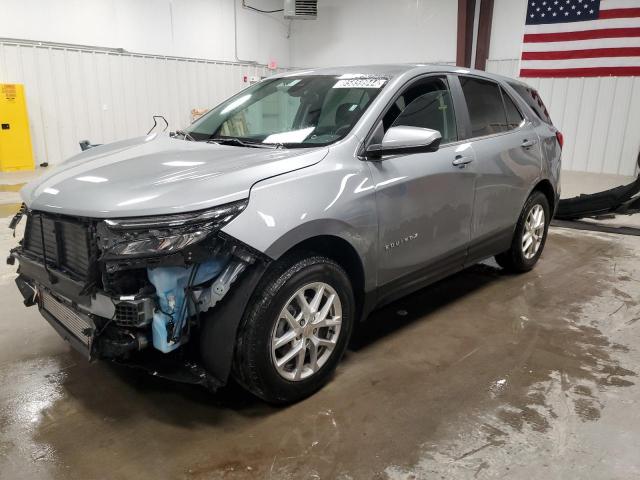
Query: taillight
{"x": 560, "y": 138}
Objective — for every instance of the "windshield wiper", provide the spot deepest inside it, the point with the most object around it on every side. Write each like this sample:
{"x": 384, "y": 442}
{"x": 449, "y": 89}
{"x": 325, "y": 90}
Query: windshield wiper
{"x": 242, "y": 143}
{"x": 184, "y": 135}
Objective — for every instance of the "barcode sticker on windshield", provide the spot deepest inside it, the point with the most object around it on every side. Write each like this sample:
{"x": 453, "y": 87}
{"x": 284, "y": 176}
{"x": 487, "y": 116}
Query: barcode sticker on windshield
{"x": 370, "y": 82}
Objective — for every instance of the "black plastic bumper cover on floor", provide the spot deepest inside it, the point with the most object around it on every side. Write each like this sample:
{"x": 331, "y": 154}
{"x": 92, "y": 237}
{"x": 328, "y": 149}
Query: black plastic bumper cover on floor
{"x": 621, "y": 200}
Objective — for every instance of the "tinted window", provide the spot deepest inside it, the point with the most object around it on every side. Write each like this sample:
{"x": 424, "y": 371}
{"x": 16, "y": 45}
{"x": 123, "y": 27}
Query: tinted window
{"x": 532, "y": 98}
{"x": 486, "y": 110}
{"x": 514, "y": 118}
{"x": 425, "y": 104}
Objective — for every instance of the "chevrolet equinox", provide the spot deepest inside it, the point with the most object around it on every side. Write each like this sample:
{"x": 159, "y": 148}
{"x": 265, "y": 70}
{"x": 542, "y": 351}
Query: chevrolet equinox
{"x": 250, "y": 243}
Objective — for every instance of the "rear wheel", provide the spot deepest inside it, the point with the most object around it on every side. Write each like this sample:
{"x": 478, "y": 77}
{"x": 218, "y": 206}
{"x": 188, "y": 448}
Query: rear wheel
{"x": 296, "y": 330}
{"x": 529, "y": 237}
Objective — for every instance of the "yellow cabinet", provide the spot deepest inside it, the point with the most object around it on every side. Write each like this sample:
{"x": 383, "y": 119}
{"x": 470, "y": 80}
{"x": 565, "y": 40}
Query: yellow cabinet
{"x": 15, "y": 140}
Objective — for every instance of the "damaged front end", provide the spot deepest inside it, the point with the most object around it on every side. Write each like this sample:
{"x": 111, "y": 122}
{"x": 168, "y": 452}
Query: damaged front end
{"x": 125, "y": 288}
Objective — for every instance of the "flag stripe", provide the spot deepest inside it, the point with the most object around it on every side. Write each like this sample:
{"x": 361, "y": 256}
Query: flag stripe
{"x": 609, "y": 4}
{"x": 581, "y": 72}
{"x": 619, "y": 13}
{"x": 591, "y": 53}
{"x": 582, "y": 62}
{"x": 581, "y": 38}
{"x": 584, "y": 25}
{"x": 581, "y": 44}
{"x": 582, "y": 35}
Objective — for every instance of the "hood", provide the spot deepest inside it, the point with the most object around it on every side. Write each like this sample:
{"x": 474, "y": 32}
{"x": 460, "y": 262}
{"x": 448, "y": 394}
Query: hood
{"x": 158, "y": 174}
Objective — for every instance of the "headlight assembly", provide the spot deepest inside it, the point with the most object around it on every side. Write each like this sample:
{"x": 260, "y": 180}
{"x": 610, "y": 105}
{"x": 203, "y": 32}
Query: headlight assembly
{"x": 161, "y": 235}
{"x": 158, "y": 245}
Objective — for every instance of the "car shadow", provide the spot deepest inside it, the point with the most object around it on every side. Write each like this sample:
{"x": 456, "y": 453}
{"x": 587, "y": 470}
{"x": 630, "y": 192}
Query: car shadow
{"x": 135, "y": 392}
{"x": 397, "y": 315}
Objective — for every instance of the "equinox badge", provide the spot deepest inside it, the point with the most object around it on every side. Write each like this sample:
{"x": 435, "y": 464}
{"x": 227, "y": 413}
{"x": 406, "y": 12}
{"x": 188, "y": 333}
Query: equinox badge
{"x": 397, "y": 243}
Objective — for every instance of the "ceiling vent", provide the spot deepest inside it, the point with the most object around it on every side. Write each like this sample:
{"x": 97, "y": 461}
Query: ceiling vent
{"x": 301, "y": 9}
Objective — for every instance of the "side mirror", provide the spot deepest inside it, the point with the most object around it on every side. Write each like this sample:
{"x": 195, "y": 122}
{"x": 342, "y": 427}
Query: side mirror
{"x": 404, "y": 140}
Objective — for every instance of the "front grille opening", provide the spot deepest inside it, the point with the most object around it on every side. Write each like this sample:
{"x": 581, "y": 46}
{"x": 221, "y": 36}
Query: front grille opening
{"x": 33, "y": 236}
{"x": 66, "y": 242}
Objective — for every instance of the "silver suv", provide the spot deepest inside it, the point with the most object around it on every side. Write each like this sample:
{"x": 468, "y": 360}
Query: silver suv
{"x": 250, "y": 243}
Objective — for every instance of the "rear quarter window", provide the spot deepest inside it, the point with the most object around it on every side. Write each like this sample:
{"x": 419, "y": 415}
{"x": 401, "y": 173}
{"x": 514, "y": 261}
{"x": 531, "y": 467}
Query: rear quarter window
{"x": 485, "y": 105}
{"x": 532, "y": 98}
{"x": 514, "y": 117}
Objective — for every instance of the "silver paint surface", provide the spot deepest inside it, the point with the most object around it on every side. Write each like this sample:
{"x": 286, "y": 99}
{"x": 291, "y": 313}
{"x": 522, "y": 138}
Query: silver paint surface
{"x": 297, "y": 194}
{"x": 158, "y": 175}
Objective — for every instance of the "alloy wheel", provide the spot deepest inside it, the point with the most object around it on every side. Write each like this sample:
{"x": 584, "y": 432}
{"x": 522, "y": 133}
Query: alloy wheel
{"x": 306, "y": 332}
{"x": 533, "y": 232}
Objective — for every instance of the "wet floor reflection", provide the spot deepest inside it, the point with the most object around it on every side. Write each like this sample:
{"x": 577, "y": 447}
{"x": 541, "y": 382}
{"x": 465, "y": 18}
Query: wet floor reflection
{"x": 453, "y": 381}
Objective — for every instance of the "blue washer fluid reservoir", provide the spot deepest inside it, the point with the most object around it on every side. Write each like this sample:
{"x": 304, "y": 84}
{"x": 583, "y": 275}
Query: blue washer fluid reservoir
{"x": 170, "y": 283}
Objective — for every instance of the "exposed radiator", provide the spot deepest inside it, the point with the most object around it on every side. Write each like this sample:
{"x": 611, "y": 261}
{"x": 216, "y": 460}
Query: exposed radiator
{"x": 78, "y": 324}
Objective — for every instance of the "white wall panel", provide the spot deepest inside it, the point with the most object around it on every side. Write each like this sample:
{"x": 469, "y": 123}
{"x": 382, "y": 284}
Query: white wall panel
{"x": 508, "y": 68}
{"x": 185, "y": 28}
{"x": 630, "y": 143}
{"x": 507, "y": 28}
{"x": 103, "y": 96}
{"x": 570, "y": 119}
{"x": 357, "y": 32}
{"x": 599, "y": 117}
{"x": 586, "y": 119}
{"x": 617, "y": 125}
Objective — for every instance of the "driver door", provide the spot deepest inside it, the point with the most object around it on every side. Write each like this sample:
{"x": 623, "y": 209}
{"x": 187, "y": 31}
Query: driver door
{"x": 424, "y": 200}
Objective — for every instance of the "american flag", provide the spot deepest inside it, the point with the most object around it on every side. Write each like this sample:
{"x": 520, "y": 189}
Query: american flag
{"x": 581, "y": 38}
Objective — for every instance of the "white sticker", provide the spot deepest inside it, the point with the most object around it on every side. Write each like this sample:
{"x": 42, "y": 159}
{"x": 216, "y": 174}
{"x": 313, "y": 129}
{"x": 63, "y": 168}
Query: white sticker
{"x": 295, "y": 136}
{"x": 371, "y": 82}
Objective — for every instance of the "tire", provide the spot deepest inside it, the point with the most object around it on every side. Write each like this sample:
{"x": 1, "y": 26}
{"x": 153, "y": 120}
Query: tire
{"x": 265, "y": 323}
{"x": 518, "y": 259}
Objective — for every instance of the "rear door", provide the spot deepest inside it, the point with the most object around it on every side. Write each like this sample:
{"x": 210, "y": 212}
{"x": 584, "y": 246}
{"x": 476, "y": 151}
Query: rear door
{"x": 508, "y": 163}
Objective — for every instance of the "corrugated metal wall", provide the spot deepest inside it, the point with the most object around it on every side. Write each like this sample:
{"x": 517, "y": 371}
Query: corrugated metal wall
{"x": 599, "y": 117}
{"x": 75, "y": 93}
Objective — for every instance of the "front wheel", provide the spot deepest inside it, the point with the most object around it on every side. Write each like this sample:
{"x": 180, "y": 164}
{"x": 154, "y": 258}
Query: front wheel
{"x": 296, "y": 331}
{"x": 529, "y": 237}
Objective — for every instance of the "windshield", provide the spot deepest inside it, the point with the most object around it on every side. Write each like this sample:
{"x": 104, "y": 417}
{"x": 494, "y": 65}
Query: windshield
{"x": 302, "y": 111}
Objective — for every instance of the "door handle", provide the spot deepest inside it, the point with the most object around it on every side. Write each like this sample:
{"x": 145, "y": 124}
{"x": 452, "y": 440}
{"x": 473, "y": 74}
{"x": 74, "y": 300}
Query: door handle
{"x": 461, "y": 160}
{"x": 528, "y": 143}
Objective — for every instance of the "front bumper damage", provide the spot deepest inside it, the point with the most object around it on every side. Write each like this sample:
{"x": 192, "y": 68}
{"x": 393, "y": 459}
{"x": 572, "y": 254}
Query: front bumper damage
{"x": 152, "y": 326}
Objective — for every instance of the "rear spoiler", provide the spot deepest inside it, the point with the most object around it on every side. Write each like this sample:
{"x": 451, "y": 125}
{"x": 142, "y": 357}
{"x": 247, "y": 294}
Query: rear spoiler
{"x": 624, "y": 200}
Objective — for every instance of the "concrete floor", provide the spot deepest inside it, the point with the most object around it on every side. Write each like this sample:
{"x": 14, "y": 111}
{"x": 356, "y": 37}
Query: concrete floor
{"x": 483, "y": 375}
